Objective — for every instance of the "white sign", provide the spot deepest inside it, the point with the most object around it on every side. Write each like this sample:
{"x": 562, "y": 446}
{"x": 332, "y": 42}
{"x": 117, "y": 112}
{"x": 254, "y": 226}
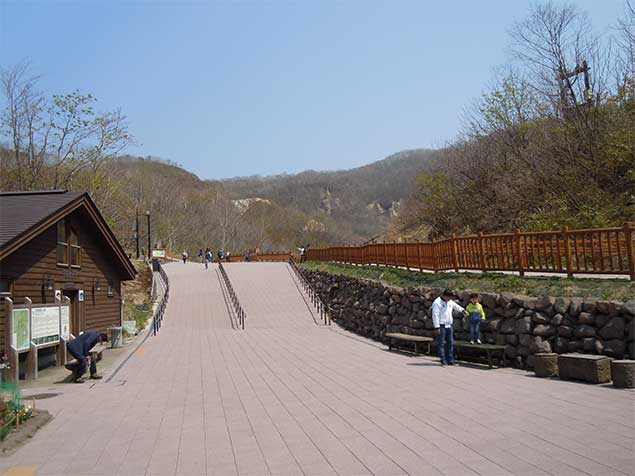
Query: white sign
{"x": 81, "y": 295}
{"x": 65, "y": 322}
{"x": 158, "y": 253}
{"x": 45, "y": 324}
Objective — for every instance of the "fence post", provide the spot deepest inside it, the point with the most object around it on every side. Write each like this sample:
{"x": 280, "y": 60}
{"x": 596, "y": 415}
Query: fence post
{"x": 385, "y": 254}
{"x": 419, "y": 255}
{"x": 394, "y": 250}
{"x": 481, "y": 251}
{"x": 455, "y": 257}
{"x": 405, "y": 247}
{"x": 567, "y": 250}
{"x": 519, "y": 252}
{"x": 628, "y": 235}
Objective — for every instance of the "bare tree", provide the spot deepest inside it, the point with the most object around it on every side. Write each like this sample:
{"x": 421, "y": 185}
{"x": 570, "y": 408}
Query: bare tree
{"x": 53, "y": 140}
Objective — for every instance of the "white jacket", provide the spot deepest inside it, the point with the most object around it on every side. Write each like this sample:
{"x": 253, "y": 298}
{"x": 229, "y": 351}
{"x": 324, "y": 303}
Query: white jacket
{"x": 442, "y": 312}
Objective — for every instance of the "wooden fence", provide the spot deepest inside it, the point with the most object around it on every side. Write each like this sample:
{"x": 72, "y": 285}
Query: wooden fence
{"x": 590, "y": 251}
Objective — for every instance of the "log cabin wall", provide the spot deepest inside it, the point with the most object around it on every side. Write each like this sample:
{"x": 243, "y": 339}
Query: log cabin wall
{"x": 32, "y": 265}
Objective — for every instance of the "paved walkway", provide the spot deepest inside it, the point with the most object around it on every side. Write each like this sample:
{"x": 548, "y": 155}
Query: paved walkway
{"x": 287, "y": 397}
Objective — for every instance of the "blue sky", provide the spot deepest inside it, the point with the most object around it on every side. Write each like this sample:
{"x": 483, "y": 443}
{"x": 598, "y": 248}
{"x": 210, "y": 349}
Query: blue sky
{"x": 242, "y": 88}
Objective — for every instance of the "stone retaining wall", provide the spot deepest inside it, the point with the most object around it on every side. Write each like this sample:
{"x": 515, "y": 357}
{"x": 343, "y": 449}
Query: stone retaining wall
{"x": 525, "y": 325}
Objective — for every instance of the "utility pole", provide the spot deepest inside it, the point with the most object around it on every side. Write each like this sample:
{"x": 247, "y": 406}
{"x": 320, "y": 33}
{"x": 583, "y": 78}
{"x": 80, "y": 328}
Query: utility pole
{"x": 149, "y": 235}
{"x": 137, "y": 230}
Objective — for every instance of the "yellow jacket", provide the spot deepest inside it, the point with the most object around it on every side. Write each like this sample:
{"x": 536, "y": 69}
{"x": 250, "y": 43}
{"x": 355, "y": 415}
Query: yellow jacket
{"x": 478, "y": 307}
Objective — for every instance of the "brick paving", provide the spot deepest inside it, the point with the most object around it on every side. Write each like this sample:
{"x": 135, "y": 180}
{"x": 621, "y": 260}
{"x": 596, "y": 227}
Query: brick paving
{"x": 288, "y": 397}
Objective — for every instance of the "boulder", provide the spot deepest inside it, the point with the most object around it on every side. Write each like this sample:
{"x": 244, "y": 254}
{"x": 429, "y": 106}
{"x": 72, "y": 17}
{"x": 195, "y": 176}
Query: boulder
{"x": 537, "y": 344}
{"x": 586, "y": 318}
{"x": 589, "y": 368}
{"x": 602, "y": 307}
{"x": 508, "y": 326}
{"x": 599, "y": 346}
{"x": 544, "y": 330}
{"x": 629, "y": 308}
{"x": 525, "y": 302}
{"x": 573, "y": 345}
{"x": 561, "y": 345}
{"x": 540, "y": 318}
{"x": 614, "y": 329}
{"x": 523, "y": 351}
{"x": 615, "y": 348}
{"x": 544, "y": 303}
{"x": 588, "y": 344}
{"x": 561, "y": 305}
{"x": 565, "y": 331}
{"x": 510, "y": 351}
{"x": 584, "y": 331}
{"x": 575, "y": 306}
{"x": 601, "y": 319}
{"x": 529, "y": 362}
{"x": 589, "y": 306}
{"x": 523, "y": 326}
{"x": 630, "y": 334}
{"x": 489, "y": 300}
{"x": 511, "y": 339}
{"x": 524, "y": 340}
{"x": 557, "y": 320}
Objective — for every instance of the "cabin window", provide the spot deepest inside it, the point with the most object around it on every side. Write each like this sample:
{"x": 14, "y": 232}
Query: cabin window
{"x": 75, "y": 250}
{"x": 5, "y": 287}
{"x": 62, "y": 244}
{"x": 110, "y": 290}
{"x": 69, "y": 251}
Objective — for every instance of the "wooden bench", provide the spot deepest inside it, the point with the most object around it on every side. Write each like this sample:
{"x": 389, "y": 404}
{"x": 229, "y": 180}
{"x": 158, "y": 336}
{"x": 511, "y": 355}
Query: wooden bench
{"x": 489, "y": 349}
{"x": 408, "y": 338}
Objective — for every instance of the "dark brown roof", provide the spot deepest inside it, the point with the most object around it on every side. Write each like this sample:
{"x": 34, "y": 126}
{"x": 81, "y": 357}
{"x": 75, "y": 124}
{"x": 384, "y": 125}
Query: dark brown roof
{"x": 24, "y": 215}
{"x": 19, "y": 211}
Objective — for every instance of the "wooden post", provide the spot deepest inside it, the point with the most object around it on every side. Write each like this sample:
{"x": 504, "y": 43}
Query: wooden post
{"x": 419, "y": 254}
{"x": 394, "y": 250}
{"x": 406, "y": 250}
{"x": 628, "y": 235}
{"x": 567, "y": 250}
{"x": 455, "y": 257}
{"x": 481, "y": 251}
{"x": 519, "y": 252}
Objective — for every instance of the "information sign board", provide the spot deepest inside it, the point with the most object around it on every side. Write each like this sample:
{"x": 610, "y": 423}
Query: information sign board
{"x": 158, "y": 253}
{"x": 65, "y": 322}
{"x": 45, "y": 324}
{"x": 21, "y": 340}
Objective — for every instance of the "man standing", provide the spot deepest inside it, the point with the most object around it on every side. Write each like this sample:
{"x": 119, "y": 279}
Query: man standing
{"x": 442, "y": 308}
{"x": 80, "y": 349}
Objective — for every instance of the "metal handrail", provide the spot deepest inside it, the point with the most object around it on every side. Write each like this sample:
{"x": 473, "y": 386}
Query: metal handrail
{"x": 316, "y": 300}
{"x": 240, "y": 313}
{"x": 157, "y": 318}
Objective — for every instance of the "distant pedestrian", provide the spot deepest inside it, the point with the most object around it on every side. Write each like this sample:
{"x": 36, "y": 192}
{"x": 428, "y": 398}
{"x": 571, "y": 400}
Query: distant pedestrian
{"x": 442, "y": 309}
{"x": 220, "y": 254}
{"x": 201, "y": 256}
{"x": 475, "y": 314}
{"x": 208, "y": 257}
{"x": 184, "y": 256}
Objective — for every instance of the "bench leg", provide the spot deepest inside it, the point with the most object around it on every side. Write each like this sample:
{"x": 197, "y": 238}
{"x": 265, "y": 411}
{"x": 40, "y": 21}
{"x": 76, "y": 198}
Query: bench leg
{"x": 489, "y": 359}
{"x": 389, "y": 343}
{"x": 416, "y": 348}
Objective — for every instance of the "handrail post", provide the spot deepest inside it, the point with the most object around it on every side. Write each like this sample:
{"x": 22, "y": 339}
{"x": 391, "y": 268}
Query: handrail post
{"x": 567, "y": 249}
{"x": 455, "y": 258}
{"x": 481, "y": 251}
{"x": 628, "y": 235}
{"x": 520, "y": 256}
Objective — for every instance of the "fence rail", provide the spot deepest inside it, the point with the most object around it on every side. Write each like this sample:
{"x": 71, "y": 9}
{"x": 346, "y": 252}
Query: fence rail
{"x": 323, "y": 309}
{"x": 240, "y": 313}
{"x": 587, "y": 251}
{"x": 157, "y": 318}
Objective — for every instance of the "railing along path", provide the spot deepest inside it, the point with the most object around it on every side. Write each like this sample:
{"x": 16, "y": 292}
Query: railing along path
{"x": 240, "y": 313}
{"x": 157, "y": 318}
{"x": 586, "y": 251}
{"x": 323, "y": 309}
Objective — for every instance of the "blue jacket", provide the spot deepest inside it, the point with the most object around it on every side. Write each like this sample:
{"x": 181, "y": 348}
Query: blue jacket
{"x": 82, "y": 344}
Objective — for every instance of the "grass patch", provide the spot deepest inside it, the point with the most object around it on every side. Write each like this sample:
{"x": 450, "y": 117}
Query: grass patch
{"x": 608, "y": 289}
{"x": 138, "y": 315}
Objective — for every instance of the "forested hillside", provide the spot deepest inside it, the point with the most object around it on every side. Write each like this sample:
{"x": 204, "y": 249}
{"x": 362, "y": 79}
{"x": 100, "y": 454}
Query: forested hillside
{"x": 550, "y": 143}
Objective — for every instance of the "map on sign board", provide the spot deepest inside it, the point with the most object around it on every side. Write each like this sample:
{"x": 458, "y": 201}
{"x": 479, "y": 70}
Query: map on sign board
{"x": 21, "y": 339}
{"x": 45, "y": 324}
{"x": 65, "y": 322}
{"x": 158, "y": 253}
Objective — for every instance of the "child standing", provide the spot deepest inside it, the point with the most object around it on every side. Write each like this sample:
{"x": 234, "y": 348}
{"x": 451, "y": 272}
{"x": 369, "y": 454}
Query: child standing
{"x": 475, "y": 314}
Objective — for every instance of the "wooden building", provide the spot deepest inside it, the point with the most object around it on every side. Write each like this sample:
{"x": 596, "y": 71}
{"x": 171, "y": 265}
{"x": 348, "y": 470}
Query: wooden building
{"x": 55, "y": 246}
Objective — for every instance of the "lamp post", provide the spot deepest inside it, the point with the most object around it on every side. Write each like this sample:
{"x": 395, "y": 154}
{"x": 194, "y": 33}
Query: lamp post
{"x": 149, "y": 236}
{"x": 136, "y": 216}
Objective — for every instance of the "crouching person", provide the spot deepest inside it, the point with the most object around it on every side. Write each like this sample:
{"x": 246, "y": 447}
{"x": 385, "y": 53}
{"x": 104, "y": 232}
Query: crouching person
{"x": 442, "y": 308}
{"x": 80, "y": 349}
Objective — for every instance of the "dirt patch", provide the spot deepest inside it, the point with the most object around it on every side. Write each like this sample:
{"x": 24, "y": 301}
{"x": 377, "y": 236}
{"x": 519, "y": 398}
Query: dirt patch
{"x": 19, "y": 436}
